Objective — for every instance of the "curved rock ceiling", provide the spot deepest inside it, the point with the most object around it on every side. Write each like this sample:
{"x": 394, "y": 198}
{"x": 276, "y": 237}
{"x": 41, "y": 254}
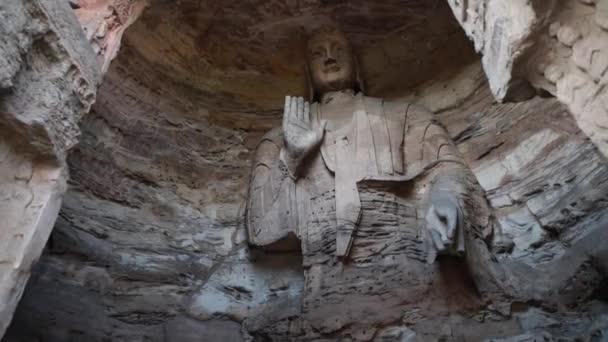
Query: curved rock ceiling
{"x": 149, "y": 243}
{"x": 246, "y": 55}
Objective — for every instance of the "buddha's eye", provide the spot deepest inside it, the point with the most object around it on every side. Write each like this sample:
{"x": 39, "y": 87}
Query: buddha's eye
{"x": 339, "y": 51}
{"x": 317, "y": 54}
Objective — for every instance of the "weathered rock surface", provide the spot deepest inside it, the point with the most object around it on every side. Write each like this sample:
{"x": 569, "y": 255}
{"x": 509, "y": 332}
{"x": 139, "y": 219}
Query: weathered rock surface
{"x": 104, "y": 23}
{"x": 48, "y": 80}
{"x": 570, "y": 60}
{"x": 559, "y": 47}
{"x": 547, "y": 184}
{"x": 150, "y": 243}
{"x": 48, "y": 75}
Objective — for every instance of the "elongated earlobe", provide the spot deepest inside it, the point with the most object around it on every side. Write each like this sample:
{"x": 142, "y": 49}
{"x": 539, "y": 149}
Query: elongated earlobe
{"x": 358, "y": 75}
{"x": 310, "y": 89}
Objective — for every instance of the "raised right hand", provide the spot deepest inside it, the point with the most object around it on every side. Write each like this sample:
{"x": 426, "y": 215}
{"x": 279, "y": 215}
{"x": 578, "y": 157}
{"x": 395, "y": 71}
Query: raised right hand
{"x": 302, "y": 135}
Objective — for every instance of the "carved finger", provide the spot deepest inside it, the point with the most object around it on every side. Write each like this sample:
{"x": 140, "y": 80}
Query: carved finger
{"x": 437, "y": 240}
{"x": 452, "y": 221}
{"x": 287, "y": 105}
{"x": 435, "y": 226}
{"x": 307, "y": 118}
{"x": 286, "y": 112}
{"x": 301, "y": 109}
{"x": 293, "y": 109}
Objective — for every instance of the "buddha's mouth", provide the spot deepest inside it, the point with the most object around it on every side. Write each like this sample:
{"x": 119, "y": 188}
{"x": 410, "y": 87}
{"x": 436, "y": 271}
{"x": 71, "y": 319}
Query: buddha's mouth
{"x": 333, "y": 68}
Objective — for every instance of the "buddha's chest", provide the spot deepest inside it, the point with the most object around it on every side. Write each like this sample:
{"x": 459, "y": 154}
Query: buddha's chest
{"x": 391, "y": 224}
{"x": 364, "y": 146}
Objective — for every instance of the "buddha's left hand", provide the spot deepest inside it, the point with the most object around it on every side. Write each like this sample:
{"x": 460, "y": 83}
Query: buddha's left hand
{"x": 442, "y": 220}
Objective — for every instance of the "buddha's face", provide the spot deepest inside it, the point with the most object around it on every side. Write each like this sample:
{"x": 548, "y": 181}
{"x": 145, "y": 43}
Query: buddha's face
{"x": 331, "y": 62}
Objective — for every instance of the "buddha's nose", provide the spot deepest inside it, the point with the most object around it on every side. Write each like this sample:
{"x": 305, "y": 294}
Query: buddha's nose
{"x": 330, "y": 61}
{"x": 329, "y": 55}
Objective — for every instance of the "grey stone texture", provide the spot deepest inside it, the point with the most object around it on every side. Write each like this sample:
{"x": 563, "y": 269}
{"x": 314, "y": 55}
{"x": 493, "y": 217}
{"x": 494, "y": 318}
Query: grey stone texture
{"x": 150, "y": 243}
{"x": 48, "y": 80}
{"x": 559, "y": 47}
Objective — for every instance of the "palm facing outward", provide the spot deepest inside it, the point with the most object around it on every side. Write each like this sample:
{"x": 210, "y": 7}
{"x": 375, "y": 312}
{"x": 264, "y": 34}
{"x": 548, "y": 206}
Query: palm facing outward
{"x": 301, "y": 134}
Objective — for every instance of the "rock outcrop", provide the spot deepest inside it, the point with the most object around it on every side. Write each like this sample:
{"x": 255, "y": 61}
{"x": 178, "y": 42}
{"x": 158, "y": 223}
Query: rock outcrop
{"x": 559, "y": 47}
{"x": 48, "y": 80}
{"x": 104, "y": 23}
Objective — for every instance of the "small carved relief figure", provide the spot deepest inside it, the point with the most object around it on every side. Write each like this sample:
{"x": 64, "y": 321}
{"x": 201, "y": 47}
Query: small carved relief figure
{"x": 370, "y": 190}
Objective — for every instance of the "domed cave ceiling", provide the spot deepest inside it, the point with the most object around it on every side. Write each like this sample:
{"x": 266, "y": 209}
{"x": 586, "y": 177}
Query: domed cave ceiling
{"x": 244, "y": 57}
{"x": 150, "y": 244}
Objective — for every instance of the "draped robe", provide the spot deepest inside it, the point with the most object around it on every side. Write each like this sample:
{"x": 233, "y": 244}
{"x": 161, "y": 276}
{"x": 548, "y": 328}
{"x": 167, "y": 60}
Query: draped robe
{"x": 358, "y": 212}
{"x": 384, "y": 142}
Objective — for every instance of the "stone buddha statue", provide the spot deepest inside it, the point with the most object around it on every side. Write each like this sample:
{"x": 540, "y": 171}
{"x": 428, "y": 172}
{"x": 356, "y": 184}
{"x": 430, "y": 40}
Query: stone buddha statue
{"x": 370, "y": 190}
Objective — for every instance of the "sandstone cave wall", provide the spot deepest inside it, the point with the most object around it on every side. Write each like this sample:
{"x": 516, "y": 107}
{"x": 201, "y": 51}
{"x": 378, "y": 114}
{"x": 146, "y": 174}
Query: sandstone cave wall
{"x": 149, "y": 243}
{"x": 153, "y": 248}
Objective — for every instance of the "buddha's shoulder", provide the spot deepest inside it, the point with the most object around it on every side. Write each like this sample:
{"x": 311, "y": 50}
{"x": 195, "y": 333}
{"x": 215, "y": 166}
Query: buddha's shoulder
{"x": 402, "y": 107}
{"x": 273, "y": 137}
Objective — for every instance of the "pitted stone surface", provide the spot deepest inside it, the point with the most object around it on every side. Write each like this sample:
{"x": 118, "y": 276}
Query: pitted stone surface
{"x": 557, "y": 46}
{"x": 48, "y": 81}
{"x": 150, "y": 245}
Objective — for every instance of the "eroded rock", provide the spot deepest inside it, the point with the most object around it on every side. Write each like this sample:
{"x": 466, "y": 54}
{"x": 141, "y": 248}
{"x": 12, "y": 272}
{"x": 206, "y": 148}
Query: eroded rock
{"x": 566, "y": 41}
{"x": 150, "y": 243}
{"x": 48, "y": 81}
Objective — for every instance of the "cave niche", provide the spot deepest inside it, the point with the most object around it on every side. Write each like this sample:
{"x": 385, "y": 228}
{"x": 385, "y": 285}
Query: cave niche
{"x": 149, "y": 244}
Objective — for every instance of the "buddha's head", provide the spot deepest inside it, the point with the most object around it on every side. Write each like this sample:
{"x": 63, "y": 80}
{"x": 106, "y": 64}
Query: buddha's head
{"x": 332, "y": 65}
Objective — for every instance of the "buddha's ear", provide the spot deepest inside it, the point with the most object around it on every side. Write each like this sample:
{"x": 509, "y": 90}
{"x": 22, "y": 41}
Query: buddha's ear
{"x": 310, "y": 89}
{"x": 358, "y": 75}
